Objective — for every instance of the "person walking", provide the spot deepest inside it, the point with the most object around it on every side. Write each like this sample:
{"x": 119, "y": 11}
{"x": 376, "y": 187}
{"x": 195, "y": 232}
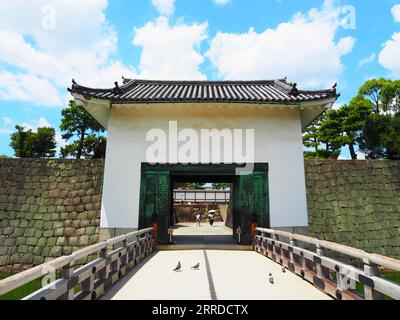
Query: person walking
{"x": 198, "y": 218}
{"x": 211, "y": 217}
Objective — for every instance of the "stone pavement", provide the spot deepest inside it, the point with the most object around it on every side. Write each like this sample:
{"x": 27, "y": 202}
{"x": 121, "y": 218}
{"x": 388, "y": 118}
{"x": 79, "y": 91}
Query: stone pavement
{"x": 223, "y": 275}
{"x": 190, "y": 233}
{"x": 191, "y": 229}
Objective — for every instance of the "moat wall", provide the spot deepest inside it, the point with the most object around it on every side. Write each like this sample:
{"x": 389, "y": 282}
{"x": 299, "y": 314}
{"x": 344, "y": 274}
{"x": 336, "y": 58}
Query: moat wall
{"x": 355, "y": 203}
{"x": 50, "y": 208}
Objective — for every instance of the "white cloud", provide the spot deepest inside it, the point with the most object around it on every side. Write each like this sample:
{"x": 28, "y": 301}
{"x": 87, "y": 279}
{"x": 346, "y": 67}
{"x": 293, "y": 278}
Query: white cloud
{"x": 27, "y": 87}
{"x": 396, "y": 12}
{"x": 165, "y": 7}
{"x": 389, "y": 56}
{"x": 222, "y": 2}
{"x": 360, "y": 155}
{"x": 44, "y": 123}
{"x": 7, "y": 126}
{"x": 61, "y": 143}
{"x": 304, "y": 49}
{"x": 337, "y": 105}
{"x": 7, "y": 121}
{"x": 170, "y": 51}
{"x": 366, "y": 60}
{"x": 343, "y": 157}
{"x": 390, "y": 53}
{"x": 50, "y": 42}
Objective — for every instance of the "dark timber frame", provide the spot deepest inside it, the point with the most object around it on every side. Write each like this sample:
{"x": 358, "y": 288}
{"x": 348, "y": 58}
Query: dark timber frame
{"x": 250, "y": 194}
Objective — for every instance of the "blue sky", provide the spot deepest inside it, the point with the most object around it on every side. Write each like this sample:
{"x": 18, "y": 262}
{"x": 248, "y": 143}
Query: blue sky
{"x": 44, "y": 44}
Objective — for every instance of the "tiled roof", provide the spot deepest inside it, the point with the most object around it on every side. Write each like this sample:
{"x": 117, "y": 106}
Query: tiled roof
{"x": 150, "y": 91}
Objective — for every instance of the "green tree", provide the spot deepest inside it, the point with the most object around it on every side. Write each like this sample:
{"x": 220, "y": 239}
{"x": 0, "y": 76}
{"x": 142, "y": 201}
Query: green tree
{"x": 331, "y": 134}
{"x": 20, "y": 142}
{"x": 43, "y": 143}
{"x": 195, "y": 185}
{"x": 311, "y": 139}
{"x": 384, "y": 94}
{"x": 95, "y": 147}
{"x": 381, "y": 137}
{"x": 380, "y": 134}
{"x": 221, "y": 186}
{"x": 77, "y": 122}
{"x": 353, "y": 117}
{"x": 29, "y": 144}
{"x": 319, "y": 137}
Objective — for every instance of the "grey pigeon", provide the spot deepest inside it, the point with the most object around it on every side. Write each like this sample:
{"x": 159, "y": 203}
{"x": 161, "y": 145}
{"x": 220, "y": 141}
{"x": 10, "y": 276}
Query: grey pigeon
{"x": 283, "y": 269}
{"x": 270, "y": 278}
{"x": 196, "y": 266}
{"x": 178, "y": 267}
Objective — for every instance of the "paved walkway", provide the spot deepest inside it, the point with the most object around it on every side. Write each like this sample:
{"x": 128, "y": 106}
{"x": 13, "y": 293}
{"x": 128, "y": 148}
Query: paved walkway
{"x": 223, "y": 275}
{"x": 191, "y": 233}
{"x": 192, "y": 229}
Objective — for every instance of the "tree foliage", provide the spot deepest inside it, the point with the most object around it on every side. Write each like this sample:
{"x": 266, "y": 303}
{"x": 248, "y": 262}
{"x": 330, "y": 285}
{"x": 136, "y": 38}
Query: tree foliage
{"x": 380, "y": 134}
{"x": 370, "y": 120}
{"x": 93, "y": 147}
{"x": 77, "y": 122}
{"x": 220, "y": 185}
{"x": 29, "y": 144}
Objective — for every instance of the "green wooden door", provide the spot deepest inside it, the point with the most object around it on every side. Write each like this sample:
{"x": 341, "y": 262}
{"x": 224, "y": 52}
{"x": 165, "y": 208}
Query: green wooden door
{"x": 250, "y": 203}
{"x": 155, "y": 202}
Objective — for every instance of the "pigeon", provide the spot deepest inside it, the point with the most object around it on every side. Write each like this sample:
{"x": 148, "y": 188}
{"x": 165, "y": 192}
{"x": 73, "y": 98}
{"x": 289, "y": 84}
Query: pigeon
{"x": 283, "y": 269}
{"x": 196, "y": 266}
{"x": 178, "y": 267}
{"x": 271, "y": 279}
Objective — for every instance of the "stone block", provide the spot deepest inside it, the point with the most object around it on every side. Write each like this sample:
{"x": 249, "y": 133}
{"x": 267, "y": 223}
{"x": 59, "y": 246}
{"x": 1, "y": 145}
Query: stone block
{"x": 84, "y": 240}
{"x": 67, "y": 251}
{"x": 51, "y": 241}
{"x": 59, "y": 232}
{"x": 31, "y": 241}
{"x": 73, "y": 241}
{"x": 61, "y": 241}
{"x": 37, "y": 260}
{"x": 3, "y": 260}
{"x": 80, "y": 231}
{"x": 55, "y": 251}
{"x": 48, "y": 233}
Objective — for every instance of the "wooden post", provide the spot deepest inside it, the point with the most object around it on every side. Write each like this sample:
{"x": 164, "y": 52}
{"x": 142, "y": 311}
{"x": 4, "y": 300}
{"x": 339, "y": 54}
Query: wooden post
{"x": 371, "y": 270}
{"x": 103, "y": 275}
{"x": 155, "y": 228}
{"x": 67, "y": 272}
{"x": 318, "y": 261}
{"x": 273, "y": 246}
{"x": 292, "y": 243}
{"x": 253, "y": 232}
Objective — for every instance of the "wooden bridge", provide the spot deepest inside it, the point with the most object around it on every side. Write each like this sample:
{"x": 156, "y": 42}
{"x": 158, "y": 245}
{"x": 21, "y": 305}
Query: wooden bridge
{"x": 131, "y": 267}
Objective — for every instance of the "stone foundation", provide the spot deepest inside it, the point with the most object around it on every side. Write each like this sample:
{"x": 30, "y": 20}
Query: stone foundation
{"x": 48, "y": 208}
{"x": 355, "y": 203}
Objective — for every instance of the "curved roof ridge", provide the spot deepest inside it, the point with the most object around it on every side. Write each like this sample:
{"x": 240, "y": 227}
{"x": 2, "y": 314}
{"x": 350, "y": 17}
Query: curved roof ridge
{"x": 249, "y": 91}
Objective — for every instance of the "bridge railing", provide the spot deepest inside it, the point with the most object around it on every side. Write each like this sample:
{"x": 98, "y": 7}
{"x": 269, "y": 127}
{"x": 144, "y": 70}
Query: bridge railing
{"x": 88, "y": 282}
{"x": 305, "y": 256}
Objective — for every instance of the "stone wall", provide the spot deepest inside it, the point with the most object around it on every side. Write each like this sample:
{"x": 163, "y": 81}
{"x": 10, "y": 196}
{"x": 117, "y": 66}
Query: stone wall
{"x": 355, "y": 203}
{"x": 48, "y": 208}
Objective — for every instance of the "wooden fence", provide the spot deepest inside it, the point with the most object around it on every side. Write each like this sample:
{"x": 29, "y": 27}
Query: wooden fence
{"x": 308, "y": 257}
{"x": 88, "y": 282}
{"x": 201, "y": 196}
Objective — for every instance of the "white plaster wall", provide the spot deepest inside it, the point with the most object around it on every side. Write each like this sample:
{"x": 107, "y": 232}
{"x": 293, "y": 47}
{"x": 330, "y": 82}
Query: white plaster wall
{"x": 278, "y": 142}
